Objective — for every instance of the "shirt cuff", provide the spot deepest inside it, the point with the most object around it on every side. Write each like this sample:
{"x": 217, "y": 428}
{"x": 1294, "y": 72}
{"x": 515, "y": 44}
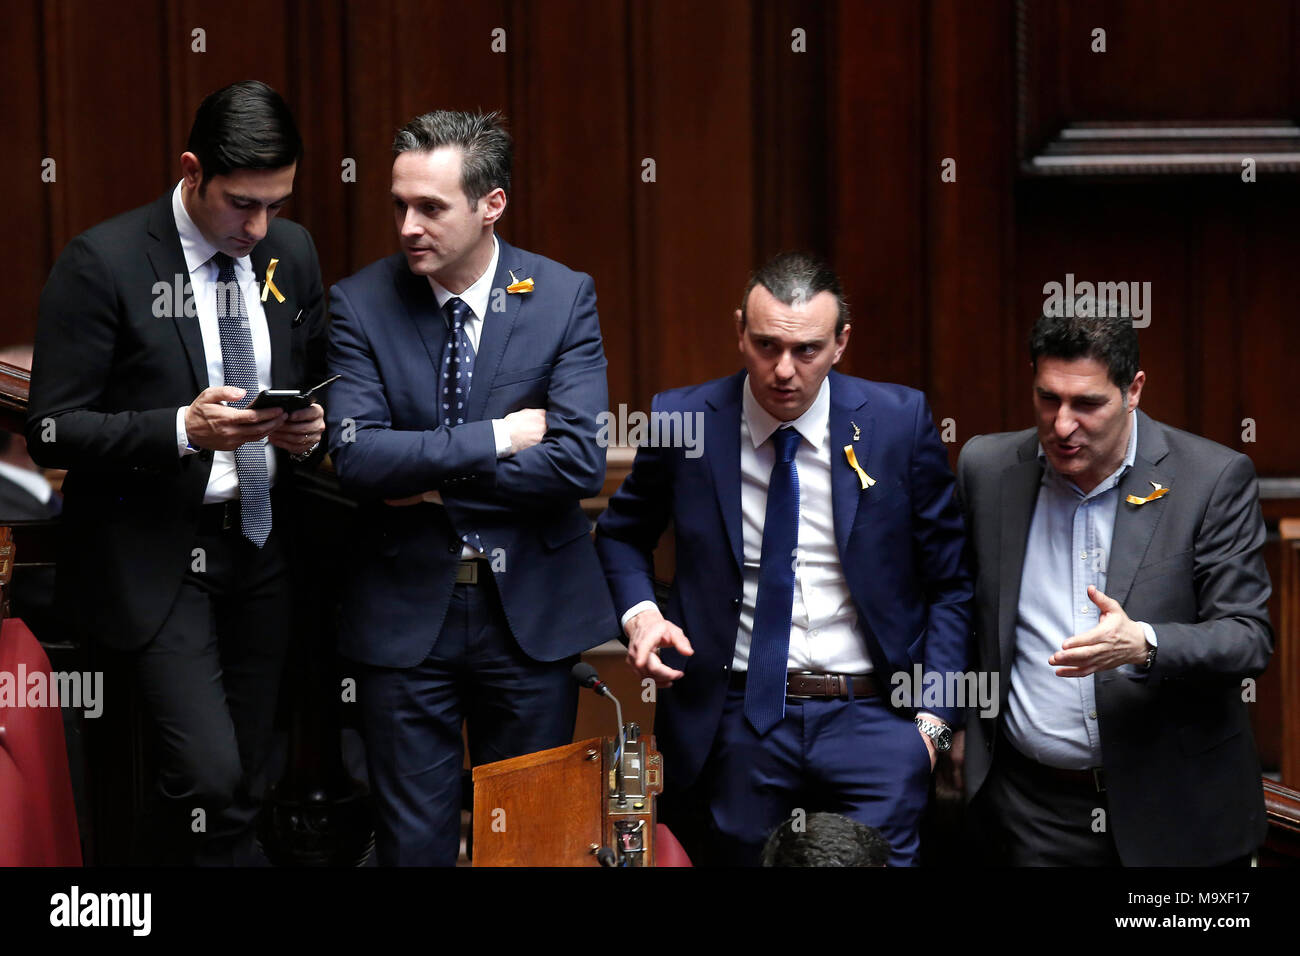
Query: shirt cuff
{"x": 1149, "y": 631}
{"x": 501, "y": 432}
{"x": 183, "y": 446}
{"x": 636, "y": 609}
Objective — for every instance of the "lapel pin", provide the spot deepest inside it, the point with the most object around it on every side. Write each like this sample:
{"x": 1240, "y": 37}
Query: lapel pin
{"x": 857, "y": 432}
{"x": 268, "y": 285}
{"x": 852, "y": 459}
{"x": 1160, "y": 492}
{"x": 299, "y": 319}
{"x": 518, "y": 285}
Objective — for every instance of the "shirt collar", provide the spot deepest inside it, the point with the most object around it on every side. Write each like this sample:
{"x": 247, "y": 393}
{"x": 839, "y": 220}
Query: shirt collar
{"x": 1129, "y": 457}
{"x": 477, "y": 295}
{"x": 197, "y": 250}
{"x": 811, "y": 425}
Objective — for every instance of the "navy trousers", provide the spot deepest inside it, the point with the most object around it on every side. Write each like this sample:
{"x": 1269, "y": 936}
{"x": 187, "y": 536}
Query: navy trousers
{"x": 854, "y": 757}
{"x": 412, "y": 717}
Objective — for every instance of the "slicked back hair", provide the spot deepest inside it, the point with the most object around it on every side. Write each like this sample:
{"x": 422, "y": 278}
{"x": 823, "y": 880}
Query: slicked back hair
{"x": 1110, "y": 340}
{"x": 486, "y": 148}
{"x": 797, "y": 277}
{"x": 245, "y": 125}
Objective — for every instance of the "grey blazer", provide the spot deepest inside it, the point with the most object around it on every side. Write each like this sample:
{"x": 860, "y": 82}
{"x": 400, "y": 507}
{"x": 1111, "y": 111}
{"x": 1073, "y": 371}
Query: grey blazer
{"x": 1182, "y": 774}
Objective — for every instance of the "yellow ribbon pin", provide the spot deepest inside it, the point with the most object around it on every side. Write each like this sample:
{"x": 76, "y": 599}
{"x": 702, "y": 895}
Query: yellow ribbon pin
{"x": 519, "y": 285}
{"x": 1160, "y": 492}
{"x": 852, "y": 459}
{"x": 269, "y": 286}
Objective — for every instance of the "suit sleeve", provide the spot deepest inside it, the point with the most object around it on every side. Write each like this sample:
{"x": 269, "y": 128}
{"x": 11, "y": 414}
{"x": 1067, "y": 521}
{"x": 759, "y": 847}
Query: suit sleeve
{"x": 568, "y": 464}
{"x": 76, "y": 339}
{"x": 1233, "y": 636}
{"x": 630, "y": 528}
{"x": 939, "y": 543}
{"x": 372, "y": 457}
{"x": 316, "y": 365}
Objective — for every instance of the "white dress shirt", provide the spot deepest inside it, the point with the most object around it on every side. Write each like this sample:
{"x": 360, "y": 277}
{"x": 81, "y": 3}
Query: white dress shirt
{"x": 223, "y": 483}
{"x": 824, "y": 632}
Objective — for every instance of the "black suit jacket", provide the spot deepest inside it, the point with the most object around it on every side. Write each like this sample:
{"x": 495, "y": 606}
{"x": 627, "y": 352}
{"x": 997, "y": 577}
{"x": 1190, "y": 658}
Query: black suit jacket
{"x": 1182, "y": 776}
{"x": 112, "y": 364}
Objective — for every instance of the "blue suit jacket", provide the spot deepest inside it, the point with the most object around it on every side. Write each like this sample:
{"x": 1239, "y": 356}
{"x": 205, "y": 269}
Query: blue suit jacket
{"x": 541, "y": 350}
{"x": 901, "y": 543}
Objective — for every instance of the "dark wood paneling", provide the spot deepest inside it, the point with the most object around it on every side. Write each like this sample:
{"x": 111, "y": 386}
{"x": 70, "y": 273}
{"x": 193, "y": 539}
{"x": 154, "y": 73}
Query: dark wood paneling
{"x": 25, "y": 235}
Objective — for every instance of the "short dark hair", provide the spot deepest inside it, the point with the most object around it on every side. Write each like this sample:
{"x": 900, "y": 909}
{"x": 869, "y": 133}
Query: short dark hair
{"x": 245, "y": 125}
{"x": 798, "y": 275}
{"x": 825, "y": 839}
{"x": 1110, "y": 340}
{"x": 486, "y": 147}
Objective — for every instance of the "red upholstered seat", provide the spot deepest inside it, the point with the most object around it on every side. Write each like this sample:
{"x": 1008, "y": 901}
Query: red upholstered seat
{"x": 668, "y": 851}
{"x": 38, "y": 818}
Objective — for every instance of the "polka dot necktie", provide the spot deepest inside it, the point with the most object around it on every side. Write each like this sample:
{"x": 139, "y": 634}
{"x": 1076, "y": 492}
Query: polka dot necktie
{"x": 240, "y": 369}
{"x": 457, "y": 374}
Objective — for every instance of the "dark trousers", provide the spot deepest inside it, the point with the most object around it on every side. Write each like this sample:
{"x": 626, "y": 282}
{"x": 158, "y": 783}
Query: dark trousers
{"x": 209, "y": 681}
{"x": 1024, "y": 815}
{"x": 854, "y": 757}
{"x": 475, "y": 674}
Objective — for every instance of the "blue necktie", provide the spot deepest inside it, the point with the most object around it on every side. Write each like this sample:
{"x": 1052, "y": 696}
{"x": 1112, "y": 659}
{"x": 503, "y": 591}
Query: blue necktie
{"x": 240, "y": 369}
{"x": 457, "y": 374}
{"x": 769, "y": 647}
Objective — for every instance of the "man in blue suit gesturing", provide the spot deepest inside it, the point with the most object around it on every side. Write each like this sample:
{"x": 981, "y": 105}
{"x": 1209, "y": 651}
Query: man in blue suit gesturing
{"x": 819, "y": 553}
{"x": 465, "y": 423}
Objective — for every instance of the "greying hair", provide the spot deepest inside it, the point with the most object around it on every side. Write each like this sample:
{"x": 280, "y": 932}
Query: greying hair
{"x": 486, "y": 147}
{"x": 797, "y": 277}
{"x": 1109, "y": 340}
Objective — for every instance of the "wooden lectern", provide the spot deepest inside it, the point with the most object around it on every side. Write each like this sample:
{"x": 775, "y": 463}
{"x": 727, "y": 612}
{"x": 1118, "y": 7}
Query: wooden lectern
{"x": 564, "y": 807}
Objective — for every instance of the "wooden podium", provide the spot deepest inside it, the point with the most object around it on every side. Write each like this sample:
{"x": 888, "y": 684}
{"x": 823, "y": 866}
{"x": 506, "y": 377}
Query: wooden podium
{"x": 562, "y": 807}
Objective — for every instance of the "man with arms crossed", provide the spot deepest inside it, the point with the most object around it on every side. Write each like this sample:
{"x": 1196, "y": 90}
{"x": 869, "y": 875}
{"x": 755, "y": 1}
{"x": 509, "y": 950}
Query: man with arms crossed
{"x": 1121, "y": 598}
{"x": 818, "y": 553}
{"x": 465, "y": 422}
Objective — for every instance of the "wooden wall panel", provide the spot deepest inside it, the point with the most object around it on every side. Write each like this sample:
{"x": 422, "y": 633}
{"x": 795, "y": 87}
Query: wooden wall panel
{"x": 877, "y": 220}
{"x": 25, "y": 246}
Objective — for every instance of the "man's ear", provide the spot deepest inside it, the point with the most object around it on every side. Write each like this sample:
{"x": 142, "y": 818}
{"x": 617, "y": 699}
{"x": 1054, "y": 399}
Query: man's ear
{"x": 740, "y": 331}
{"x": 191, "y": 170}
{"x": 495, "y": 203}
{"x": 1134, "y": 393}
{"x": 841, "y": 343}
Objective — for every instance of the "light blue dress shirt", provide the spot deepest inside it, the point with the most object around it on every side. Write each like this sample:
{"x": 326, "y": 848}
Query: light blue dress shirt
{"x": 1053, "y": 719}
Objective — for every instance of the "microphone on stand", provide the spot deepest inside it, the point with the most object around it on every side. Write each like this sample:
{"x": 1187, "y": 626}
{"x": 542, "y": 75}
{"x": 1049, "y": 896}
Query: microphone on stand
{"x": 586, "y": 675}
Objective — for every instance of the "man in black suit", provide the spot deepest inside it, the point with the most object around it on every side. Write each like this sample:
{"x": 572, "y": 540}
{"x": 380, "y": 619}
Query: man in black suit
{"x": 156, "y": 329}
{"x": 1121, "y": 598}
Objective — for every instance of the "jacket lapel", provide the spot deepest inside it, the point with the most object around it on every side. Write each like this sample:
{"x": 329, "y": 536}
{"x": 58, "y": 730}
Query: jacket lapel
{"x": 422, "y": 309}
{"x": 1136, "y": 524}
{"x": 722, "y": 439}
{"x": 278, "y": 318}
{"x": 1019, "y": 490}
{"x": 497, "y": 327}
{"x": 168, "y": 263}
{"x": 849, "y": 416}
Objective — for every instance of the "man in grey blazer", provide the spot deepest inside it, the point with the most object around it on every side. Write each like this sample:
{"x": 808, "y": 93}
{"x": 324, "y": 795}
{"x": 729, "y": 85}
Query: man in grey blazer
{"x": 1121, "y": 601}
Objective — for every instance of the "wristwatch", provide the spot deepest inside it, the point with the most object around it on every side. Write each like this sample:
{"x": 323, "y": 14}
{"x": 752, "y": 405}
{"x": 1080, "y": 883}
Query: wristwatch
{"x": 941, "y": 735}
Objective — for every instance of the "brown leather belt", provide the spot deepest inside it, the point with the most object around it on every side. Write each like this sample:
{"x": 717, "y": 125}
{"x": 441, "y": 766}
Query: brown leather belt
{"x": 1091, "y": 780}
{"x": 802, "y": 685}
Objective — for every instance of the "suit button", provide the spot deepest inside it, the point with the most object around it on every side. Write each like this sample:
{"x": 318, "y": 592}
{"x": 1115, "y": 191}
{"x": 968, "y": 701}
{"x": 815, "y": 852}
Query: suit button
{"x": 735, "y": 602}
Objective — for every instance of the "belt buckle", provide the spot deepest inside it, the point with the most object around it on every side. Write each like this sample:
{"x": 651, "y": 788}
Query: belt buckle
{"x": 467, "y": 572}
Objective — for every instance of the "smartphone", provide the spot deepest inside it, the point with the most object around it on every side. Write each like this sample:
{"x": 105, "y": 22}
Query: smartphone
{"x": 290, "y": 399}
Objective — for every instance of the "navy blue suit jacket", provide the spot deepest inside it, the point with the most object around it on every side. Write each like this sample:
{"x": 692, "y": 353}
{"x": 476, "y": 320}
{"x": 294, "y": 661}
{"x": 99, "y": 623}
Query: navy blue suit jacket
{"x": 901, "y": 543}
{"x": 542, "y": 349}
